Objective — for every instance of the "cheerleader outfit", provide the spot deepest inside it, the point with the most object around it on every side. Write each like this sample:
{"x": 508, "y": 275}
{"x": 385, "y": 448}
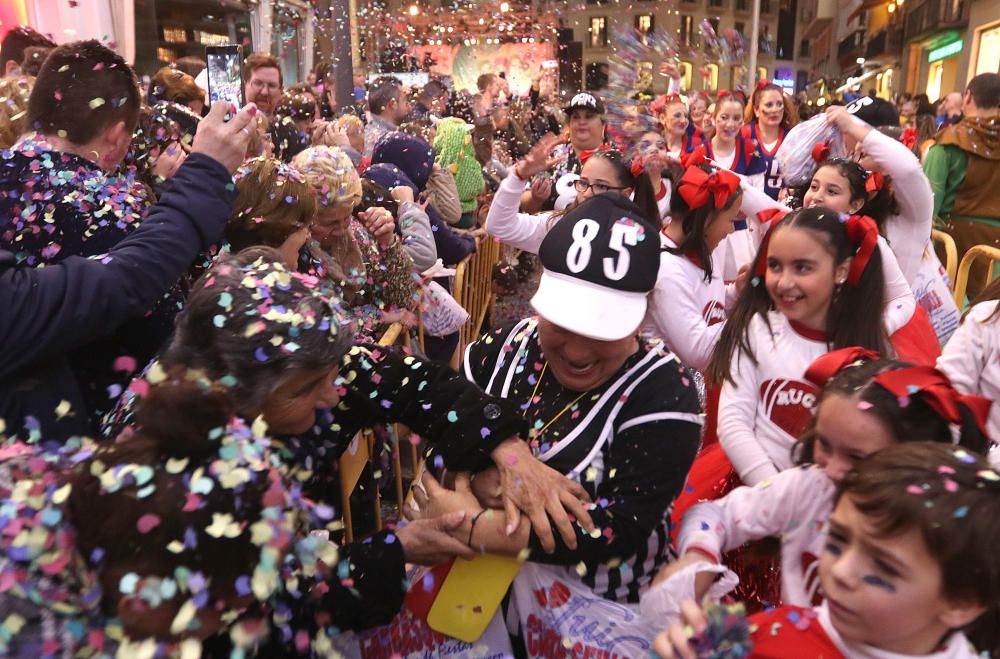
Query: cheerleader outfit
{"x": 971, "y": 360}
{"x": 771, "y": 182}
{"x": 791, "y": 632}
{"x": 793, "y": 505}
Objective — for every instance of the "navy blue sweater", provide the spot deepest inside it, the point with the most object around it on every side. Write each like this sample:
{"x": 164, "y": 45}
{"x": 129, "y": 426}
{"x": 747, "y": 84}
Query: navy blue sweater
{"x": 49, "y": 312}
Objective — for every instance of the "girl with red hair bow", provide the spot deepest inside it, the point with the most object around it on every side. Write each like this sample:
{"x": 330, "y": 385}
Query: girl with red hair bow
{"x": 769, "y": 116}
{"x": 866, "y": 404}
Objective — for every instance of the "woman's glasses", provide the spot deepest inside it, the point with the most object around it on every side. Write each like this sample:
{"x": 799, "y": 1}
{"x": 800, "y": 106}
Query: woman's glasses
{"x": 582, "y": 185}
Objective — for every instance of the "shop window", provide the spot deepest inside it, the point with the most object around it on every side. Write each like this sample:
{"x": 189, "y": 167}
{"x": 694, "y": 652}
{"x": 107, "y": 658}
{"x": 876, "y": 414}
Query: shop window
{"x": 174, "y": 34}
{"x": 686, "y": 70}
{"x": 644, "y": 23}
{"x": 166, "y": 54}
{"x": 687, "y": 27}
{"x": 598, "y": 31}
{"x": 711, "y": 82}
{"x": 988, "y": 57}
{"x": 934, "y": 74}
{"x": 597, "y": 75}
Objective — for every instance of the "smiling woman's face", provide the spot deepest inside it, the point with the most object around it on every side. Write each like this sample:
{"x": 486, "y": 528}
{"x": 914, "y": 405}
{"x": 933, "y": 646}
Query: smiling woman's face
{"x": 580, "y": 363}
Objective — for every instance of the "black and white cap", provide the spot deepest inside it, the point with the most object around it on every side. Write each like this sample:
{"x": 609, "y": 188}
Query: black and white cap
{"x": 600, "y": 262}
{"x": 874, "y": 111}
{"x": 585, "y": 100}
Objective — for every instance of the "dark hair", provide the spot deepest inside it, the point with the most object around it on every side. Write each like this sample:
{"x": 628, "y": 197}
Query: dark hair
{"x": 985, "y": 90}
{"x": 878, "y": 206}
{"x": 97, "y": 89}
{"x": 287, "y": 139}
{"x": 791, "y": 115}
{"x": 955, "y": 512}
{"x": 153, "y": 132}
{"x": 34, "y": 57}
{"x": 231, "y": 350}
{"x": 296, "y": 106}
{"x": 855, "y": 314}
{"x": 643, "y": 194}
{"x": 988, "y": 294}
{"x": 261, "y": 61}
{"x": 693, "y": 221}
{"x": 434, "y": 89}
{"x": 180, "y": 419}
{"x": 190, "y": 64}
{"x": 17, "y": 41}
{"x": 485, "y": 80}
{"x": 730, "y": 98}
{"x": 911, "y": 420}
{"x": 372, "y": 195}
{"x": 382, "y": 92}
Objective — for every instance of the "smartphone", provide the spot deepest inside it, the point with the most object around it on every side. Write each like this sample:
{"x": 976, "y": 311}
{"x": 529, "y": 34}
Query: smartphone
{"x": 225, "y": 74}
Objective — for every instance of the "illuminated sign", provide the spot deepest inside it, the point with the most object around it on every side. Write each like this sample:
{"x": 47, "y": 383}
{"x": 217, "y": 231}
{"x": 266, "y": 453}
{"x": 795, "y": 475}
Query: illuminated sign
{"x": 945, "y": 51}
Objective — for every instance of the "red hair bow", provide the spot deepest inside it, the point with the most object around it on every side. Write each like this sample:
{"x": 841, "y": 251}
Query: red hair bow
{"x": 637, "y": 167}
{"x": 863, "y": 232}
{"x": 821, "y": 151}
{"x": 770, "y": 217}
{"x": 937, "y": 391}
{"x": 697, "y": 187}
{"x": 824, "y": 368}
{"x": 875, "y": 182}
{"x": 909, "y": 137}
{"x": 725, "y": 93}
{"x": 586, "y": 153}
{"x": 695, "y": 158}
{"x": 761, "y": 85}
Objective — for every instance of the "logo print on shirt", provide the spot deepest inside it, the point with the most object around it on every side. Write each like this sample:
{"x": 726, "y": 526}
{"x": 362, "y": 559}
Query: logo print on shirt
{"x": 810, "y": 578}
{"x": 789, "y": 404}
{"x": 713, "y": 313}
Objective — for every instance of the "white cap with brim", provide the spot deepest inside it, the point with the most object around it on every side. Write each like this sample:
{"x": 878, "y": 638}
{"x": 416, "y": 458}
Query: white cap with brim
{"x": 588, "y": 309}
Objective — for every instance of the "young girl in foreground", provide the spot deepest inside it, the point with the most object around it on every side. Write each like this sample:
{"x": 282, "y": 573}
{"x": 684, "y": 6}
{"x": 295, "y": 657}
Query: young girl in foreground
{"x": 817, "y": 285}
{"x": 909, "y": 566}
{"x": 867, "y": 404}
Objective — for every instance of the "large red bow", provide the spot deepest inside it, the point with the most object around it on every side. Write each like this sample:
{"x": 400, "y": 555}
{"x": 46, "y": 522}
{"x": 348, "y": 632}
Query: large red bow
{"x": 769, "y": 217}
{"x": 821, "y": 151}
{"x": 863, "y": 232}
{"x": 697, "y": 187}
{"x": 696, "y": 157}
{"x": 586, "y": 153}
{"x": 909, "y": 137}
{"x": 637, "y": 167}
{"x": 824, "y": 368}
{"x": 875, "y": 182}
{"x": 937, "y": 391}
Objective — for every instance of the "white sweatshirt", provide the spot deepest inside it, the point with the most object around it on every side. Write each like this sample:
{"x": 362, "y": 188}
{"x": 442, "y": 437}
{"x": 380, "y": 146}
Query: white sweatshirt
{"x": 909, "y": 231}
{"x": 524, "y": 231}
{"x": 793, "y": 505}
{"x": 971, "y": 360}
{"x": 686, "y": 311}
{"x": 770, "y": 404}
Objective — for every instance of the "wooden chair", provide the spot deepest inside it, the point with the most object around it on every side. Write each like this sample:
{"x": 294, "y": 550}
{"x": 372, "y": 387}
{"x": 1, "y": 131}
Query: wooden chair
{"x": 962, "y": 280}
{"x": 951, "y": 254}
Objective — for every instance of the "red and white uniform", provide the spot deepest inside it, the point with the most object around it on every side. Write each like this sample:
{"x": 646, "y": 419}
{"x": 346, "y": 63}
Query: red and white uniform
{"x": 909, "y": 232}
{"x": 791, "y": 632}
{"x": 686, "y": 311}
{"x": 971, "y": 360}
{"x": 769, "y": 404}
{"x": 793, "y": 505}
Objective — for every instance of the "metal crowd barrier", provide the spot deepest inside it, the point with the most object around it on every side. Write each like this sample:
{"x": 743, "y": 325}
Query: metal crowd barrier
{"x": 951, "y": 253}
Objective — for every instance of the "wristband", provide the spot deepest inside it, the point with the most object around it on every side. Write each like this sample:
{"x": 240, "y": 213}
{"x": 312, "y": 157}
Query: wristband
{"x": 472, "y": 528}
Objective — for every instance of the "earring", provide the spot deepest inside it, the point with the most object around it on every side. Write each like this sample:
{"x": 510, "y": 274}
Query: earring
{"x": 840, "y": 282}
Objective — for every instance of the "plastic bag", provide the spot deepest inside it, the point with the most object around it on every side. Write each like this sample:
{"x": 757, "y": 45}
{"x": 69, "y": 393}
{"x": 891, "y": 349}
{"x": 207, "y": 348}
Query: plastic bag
{"x": 442, "y": 314}
{"x": 795, "y": 155}
{"x": 661, "y": 604}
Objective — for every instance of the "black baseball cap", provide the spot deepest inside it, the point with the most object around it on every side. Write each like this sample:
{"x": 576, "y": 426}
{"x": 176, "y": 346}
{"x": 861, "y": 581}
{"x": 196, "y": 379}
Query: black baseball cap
{"x": 874, "y": 111}
{"x": 585, "y": 100}
{"x": 600, "y": 261}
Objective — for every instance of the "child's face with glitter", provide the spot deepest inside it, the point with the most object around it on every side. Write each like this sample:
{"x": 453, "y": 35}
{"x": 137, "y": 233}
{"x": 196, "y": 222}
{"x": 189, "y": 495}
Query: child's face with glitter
{"x": 884, "y": 591}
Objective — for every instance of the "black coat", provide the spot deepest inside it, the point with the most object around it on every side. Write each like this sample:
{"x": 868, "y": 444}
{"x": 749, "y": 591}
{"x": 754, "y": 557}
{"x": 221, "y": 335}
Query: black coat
{"x": 47, "y": 313}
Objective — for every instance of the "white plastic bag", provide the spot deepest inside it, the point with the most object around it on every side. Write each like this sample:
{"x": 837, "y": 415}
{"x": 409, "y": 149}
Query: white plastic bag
{"x": 661, "y": 604}
{"x": 441, "y": 314}
{"x": 795, "y": 155}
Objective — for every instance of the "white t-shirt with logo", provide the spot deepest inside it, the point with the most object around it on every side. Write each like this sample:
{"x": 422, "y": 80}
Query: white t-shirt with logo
{"x": 762, "y": 415}
{"x": 686, "y": 311}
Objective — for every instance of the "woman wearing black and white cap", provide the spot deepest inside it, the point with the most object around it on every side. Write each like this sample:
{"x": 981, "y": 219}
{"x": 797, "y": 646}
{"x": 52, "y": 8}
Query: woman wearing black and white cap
{"x": 606, "y": 407}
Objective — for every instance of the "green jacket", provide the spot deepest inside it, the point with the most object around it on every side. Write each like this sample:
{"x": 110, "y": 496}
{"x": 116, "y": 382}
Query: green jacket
{"x": 962, "y": 168}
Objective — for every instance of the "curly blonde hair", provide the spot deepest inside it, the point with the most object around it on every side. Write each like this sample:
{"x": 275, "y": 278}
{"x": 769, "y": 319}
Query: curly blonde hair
{"x": 14, "y": 93}
{"x": 331, "y": 173}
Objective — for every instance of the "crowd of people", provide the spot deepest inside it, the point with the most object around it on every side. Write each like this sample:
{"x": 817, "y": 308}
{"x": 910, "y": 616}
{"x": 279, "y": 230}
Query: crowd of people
{"x": 698, "y": 379}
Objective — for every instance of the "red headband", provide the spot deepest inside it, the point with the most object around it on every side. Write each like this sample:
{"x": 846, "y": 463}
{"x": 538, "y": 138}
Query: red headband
{"x": 769, "y": 217}
{"x": 875, "y": 182}
{"x": 863, "y": 232}
{"x": 936, "y": 389}
{"x": 695, "y": 158}
{"x": 761, "y": 85}
{"x": 586, "y": 153}
{"x": 821, "y": 151}
{"x": 824, "y": 368}
{"x": 697, "y": 187}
